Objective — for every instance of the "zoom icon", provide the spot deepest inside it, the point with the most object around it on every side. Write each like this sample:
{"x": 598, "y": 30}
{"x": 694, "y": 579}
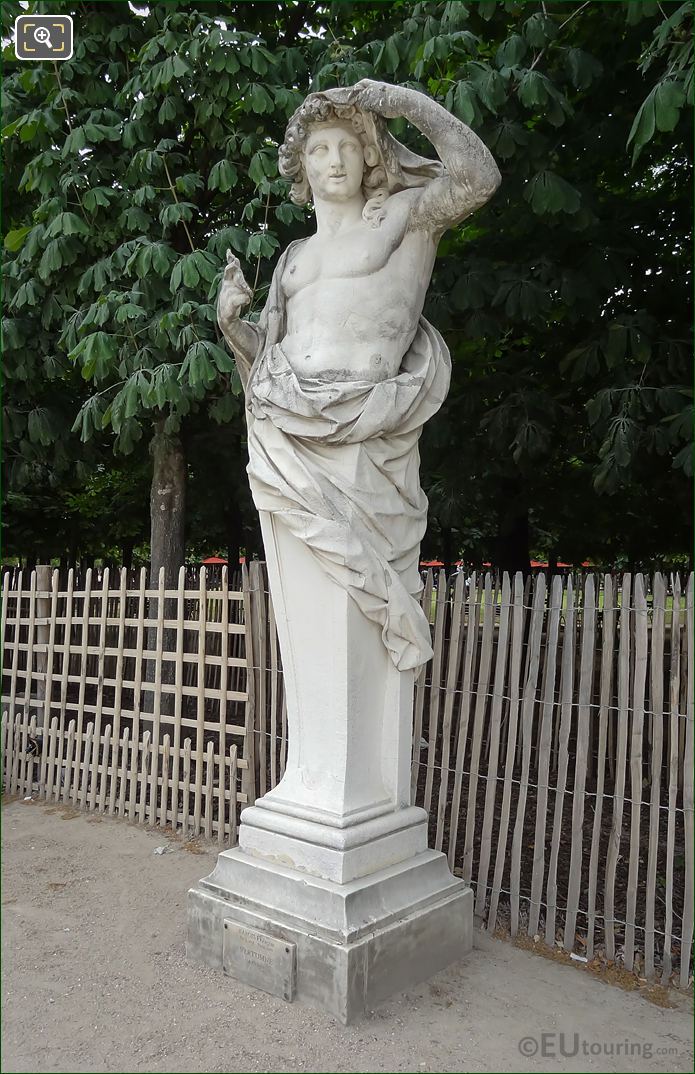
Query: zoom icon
{"x": 43, "y": 37}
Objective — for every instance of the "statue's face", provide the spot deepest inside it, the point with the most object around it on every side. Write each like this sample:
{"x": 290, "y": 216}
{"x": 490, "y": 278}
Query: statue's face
{"x": 334, "y": 162}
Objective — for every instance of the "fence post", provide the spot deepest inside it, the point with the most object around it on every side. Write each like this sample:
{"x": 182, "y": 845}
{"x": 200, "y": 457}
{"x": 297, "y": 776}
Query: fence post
{"x": 43, "y": 626}
{"x": 248, "y": 775}
{"x": 44, "y": 611}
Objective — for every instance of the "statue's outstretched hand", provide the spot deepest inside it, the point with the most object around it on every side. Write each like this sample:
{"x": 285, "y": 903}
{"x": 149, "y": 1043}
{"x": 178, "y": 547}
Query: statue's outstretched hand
{"x": 234, "y": 294}
{"x": 378, "y": 97}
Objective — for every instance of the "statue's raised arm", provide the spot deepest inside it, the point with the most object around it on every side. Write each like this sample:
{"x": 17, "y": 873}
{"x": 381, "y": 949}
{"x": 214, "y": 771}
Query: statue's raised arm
{"x": 445, "y": 194}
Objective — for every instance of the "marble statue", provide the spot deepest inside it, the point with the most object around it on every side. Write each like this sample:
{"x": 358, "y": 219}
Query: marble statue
{"x": 342, "y": 355}
{"x": 340, "y": 374}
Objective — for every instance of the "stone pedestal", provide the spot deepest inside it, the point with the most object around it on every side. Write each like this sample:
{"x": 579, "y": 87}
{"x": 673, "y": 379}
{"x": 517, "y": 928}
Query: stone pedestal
{"x": 333, "y": 862}
{"x": 356, "y": 943}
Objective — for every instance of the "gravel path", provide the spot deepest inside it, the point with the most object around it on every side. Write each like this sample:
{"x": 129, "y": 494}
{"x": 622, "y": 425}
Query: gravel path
{"x": 95, "y": 979}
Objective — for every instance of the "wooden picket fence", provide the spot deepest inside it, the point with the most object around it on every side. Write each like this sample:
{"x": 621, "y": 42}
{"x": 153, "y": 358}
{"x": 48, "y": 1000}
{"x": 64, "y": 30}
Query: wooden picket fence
{"x": 130, "y": 701}
{"x": 553, "y": 734}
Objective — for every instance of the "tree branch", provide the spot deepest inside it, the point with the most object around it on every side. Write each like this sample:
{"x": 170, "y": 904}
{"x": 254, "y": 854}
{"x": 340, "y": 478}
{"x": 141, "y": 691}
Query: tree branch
{"x": 173, "y": 191}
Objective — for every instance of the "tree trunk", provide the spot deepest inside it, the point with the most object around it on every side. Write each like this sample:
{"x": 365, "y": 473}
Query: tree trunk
{"x": 511, "y": 551}
{"x": 167, "y": 507}
{"x": 127, "y": 553}
{"x": 235, "y": 538}
{"x": 447, "y": 549}
{"x": 167, "y": 550}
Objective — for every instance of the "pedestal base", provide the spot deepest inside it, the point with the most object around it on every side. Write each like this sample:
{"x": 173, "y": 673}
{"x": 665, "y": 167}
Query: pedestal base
{"x": 356, "y": 943}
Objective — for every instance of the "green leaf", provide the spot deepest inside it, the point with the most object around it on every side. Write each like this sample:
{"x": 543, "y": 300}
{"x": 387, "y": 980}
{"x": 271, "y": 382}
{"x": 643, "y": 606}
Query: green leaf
{"x": 176, "y": 277}
{"x": 550, "y": 193}
{"x": 684, "y": 460}
{"x": 97, "y": 196}
{"x": 89, "y": 418}
{"x": 205, "y": 264}
{"x": 165, "y": 386}
{"x": 288, "y": 213}
{"x": 586, "y": 362}
{"x": 101, "y": 132}
{"x": 163, "y": 257}
{"x": 135, "y": 220}
{"x": 639, "y": 345}
{"x": 191, "y": 275}
{"x": 225, "y": 409}
{"x": 176, "y": 212}
{"x": 67, "y": 224}
{"x": 262, "y": 244}
{"x": 51, "y": 260}
{"x": 40, "y": 426}
{"x": 261, "y": 165}
{"x": 224, "y": 361}
{"x": 598, "y": 408}
{"x": 144, "y": 194}
{"x": 129, "y": 312}
{"x": 12, "y": 336}
{"x": 583, "y": 68}
{"x": 464, "y": 107}
{"x": 75, "y": 142}
{"x": 391, "y": 57}
{"x": 533, "y": 89}
{"x": 506, "y": 137}
{"x": 29, "y": 294}
{"x": 131, "y": 394}
{"x": 167, "y": 110}
{"x": 197, "y": 368}
{"x": 659, "y": 111}
{"x": 643, "y": 126}
{"x": 96, "y": 316}
{"x": 525, "y": 298}
{"x": 14, "y": 240}
{"x": 223, "y": 176}
{"x": 96, "y": 353}
{"x": 260, "y": 100}
{"x": 10, "y": 129}
{"x": 190, "y": 182}
{"x": 230, "y": 237}
{"x": 511, "y": 52}
{"x": 471, "y": 291}
{"x": 538, "y": 30}
{"x": 489, "y": 85}
{"x": 140, "y": 260}
{"x": 668, "y": 101}
{"x": 637, "y": 10}
{"x": 615, "y": 344}
{"x": 130, "y": 433}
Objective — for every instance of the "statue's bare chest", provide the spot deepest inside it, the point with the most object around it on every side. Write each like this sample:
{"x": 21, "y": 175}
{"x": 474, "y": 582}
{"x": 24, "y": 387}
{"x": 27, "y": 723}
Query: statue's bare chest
{"x": 363, "y": 252}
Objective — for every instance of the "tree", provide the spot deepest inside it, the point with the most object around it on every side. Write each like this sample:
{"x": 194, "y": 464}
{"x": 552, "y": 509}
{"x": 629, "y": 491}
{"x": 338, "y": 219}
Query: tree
{"x": 564, "y": 301}
{"x": 135, "y": 187}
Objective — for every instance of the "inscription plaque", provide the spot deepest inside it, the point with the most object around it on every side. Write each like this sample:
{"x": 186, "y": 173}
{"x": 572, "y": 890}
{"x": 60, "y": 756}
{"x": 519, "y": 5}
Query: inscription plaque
{"x": 259, "y": 960}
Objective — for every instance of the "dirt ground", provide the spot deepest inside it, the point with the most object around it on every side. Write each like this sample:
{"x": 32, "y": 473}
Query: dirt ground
{"x": 95, "y": 979}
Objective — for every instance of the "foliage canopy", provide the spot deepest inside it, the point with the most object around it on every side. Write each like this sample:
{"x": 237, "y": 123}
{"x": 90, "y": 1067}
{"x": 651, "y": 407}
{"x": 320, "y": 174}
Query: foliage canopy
{"x": 565, "y": 302}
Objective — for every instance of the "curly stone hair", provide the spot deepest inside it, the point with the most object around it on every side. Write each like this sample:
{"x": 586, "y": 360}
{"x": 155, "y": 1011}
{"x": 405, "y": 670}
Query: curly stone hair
{"x": 316, "y": 109}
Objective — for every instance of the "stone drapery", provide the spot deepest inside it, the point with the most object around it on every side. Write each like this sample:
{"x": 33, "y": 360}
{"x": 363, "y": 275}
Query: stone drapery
{"x": 338, "y": 463}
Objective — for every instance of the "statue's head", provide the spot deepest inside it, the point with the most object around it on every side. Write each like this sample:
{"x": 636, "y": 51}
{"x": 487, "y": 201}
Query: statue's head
{"x": 327, "y": 152}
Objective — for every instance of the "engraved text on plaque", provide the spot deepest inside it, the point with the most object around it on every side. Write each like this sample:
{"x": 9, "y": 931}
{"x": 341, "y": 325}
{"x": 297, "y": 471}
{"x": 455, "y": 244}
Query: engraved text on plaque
{"x": 259, "y": 960}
